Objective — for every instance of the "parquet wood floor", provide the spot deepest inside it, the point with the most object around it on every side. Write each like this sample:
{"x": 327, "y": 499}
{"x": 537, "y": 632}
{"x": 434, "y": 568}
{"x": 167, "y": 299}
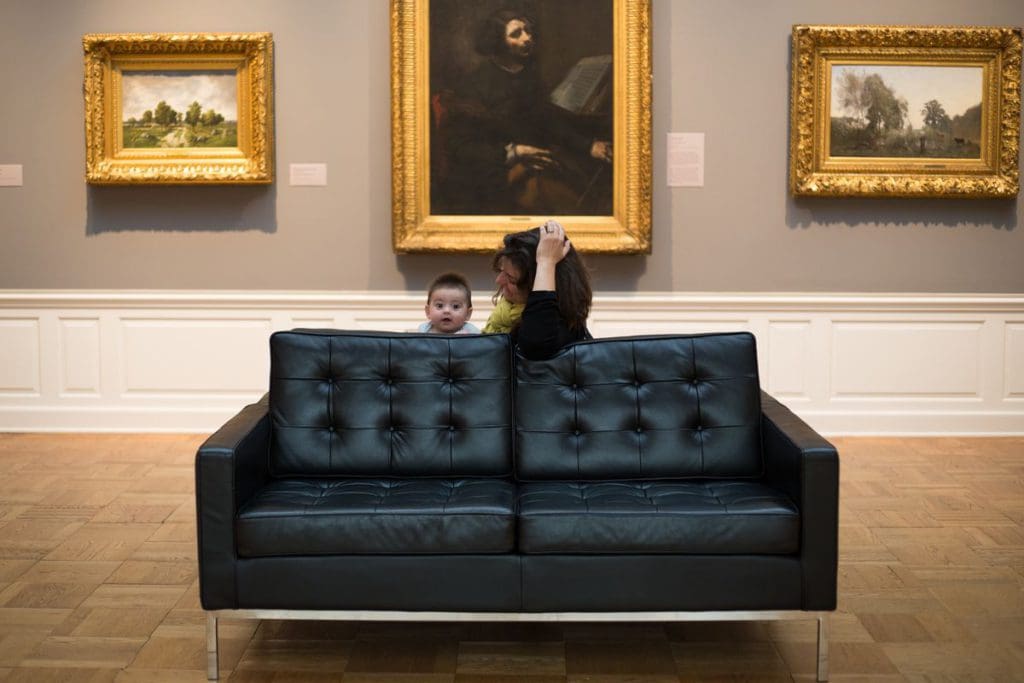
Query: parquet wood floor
{"x": 98, "y": 583}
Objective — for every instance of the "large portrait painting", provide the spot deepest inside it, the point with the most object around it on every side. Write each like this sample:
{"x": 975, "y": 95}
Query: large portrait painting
{"x": 179, "y": 108}
{"x": 905, "y": 111}
{"x": 505, "y": 114}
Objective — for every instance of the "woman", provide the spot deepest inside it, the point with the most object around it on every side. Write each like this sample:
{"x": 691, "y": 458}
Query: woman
{"x": 544, "y": 294}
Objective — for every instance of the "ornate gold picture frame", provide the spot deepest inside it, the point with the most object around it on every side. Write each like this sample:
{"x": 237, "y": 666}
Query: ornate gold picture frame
{"x": 591, "y": 63}
{"x": 905, "y": 111}
{"x": 170, "y": 108}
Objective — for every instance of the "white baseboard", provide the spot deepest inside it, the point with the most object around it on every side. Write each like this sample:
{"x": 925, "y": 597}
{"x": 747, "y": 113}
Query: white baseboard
{"x": 171, "y": 361}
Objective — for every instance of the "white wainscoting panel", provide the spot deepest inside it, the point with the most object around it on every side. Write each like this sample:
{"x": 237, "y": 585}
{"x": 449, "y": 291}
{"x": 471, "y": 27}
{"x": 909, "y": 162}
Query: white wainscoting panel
{"x": 19, "y": 356}
{"x": 906, "y": 359}
{"x": 789, "y": 344}
{"x": 183, "y": 355}
{"x": 186, "y": 361}
{"x": 79, "y": 357}
{"x": 1014, "y": 361}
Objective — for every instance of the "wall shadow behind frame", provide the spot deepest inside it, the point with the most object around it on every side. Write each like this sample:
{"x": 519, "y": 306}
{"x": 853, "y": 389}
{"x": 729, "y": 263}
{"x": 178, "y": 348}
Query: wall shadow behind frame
{"x": 236, "y": 208}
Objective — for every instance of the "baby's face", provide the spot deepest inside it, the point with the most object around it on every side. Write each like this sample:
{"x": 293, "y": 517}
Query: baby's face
{"x": 447, "y": 310}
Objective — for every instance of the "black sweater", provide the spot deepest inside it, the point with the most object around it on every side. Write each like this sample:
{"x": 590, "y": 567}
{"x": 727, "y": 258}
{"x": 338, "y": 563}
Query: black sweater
{"x": 542, "y": 332}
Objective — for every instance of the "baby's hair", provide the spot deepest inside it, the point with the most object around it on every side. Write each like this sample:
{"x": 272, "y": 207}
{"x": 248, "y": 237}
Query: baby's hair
{"x": 454, "y": 281}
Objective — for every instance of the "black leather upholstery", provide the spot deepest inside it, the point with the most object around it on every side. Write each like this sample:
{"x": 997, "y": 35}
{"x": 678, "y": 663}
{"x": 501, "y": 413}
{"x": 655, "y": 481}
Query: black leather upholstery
{"x": 641, "y": 408}
{"x": 806, "y": 466}
{"x": 731, "y": 517}
{"x": 230, "y": 466}
{"x": 382, "y": 582}
{"x": 382, "y": 405}
{"x": 427, "y": 472}
{"x": 378, "y": 516}
{"x": 654, "y": 583}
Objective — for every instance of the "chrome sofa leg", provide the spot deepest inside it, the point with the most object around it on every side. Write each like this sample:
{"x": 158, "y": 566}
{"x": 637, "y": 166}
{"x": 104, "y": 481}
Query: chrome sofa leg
{"x": 823, "y": 624}
{"x": 212, "y": 671}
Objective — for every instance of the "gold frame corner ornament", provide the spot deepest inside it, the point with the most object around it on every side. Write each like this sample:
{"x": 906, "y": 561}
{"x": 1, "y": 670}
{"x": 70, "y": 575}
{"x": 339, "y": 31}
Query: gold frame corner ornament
{"x": 814, "y": 172}
{"x": 416, "y": 229}
{"x": 249, "y": 55}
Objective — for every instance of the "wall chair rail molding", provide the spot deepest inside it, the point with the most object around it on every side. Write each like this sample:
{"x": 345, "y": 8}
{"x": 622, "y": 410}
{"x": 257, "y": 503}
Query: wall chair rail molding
{"x": 180, "y": 361}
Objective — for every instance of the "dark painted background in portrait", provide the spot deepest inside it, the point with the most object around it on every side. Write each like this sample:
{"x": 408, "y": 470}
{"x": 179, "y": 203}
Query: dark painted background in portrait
{"x": 566, "y": 31}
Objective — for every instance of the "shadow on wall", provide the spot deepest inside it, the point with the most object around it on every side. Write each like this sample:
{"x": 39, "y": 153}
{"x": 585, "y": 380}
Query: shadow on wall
{"x": 210, "y": 208}
{"x": 807, "y": 212}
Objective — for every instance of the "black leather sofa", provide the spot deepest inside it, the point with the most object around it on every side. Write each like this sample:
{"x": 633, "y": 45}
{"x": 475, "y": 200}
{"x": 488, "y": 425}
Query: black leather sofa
{"x": 427, "y": 477}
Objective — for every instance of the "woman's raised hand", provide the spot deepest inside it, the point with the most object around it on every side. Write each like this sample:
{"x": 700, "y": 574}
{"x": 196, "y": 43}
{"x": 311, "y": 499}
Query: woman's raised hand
{"x": 554, "y": 244}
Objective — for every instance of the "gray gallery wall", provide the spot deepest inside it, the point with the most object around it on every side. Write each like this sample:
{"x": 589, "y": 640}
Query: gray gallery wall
{"x": 721, "y": 67}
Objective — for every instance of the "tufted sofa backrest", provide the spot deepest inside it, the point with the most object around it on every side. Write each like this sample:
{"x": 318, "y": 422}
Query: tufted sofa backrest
{"x": 381, "y": 404}
{"x": 641, "y": 408}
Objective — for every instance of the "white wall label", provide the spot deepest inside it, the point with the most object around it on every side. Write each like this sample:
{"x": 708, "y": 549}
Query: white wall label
{"x": 307, "y": 174}
{"x": 10, "y": 175}
{"x": 685, "y": 159}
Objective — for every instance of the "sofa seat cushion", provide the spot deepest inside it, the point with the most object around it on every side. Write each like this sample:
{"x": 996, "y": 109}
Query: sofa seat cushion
{"x": 310, "y": 516}
{"x": 719, "y": 517}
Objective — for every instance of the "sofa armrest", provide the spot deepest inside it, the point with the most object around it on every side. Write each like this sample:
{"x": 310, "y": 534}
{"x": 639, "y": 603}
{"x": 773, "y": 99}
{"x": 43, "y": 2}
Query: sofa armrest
{"x": 802, "y": 463}
{"x": 230, "y": 466}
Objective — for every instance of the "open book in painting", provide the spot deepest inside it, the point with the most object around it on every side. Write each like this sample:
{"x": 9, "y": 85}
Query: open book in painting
{"x": 586, "y": 87}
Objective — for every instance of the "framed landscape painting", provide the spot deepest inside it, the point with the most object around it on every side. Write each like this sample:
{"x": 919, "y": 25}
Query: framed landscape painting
{"x": 179, "y": 108}
{"x": 905, "y": 111}
{"x": 502, "y": 118}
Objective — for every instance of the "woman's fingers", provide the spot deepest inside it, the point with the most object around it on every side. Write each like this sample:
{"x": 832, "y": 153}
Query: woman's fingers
{"x": 554, "y": 244}
{"x": 554, "y": 227}
{"x": 553, "y": 230}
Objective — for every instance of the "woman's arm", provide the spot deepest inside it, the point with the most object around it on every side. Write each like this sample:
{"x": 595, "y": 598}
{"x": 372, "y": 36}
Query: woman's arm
{"x": 542, "y": 331}
{"x": 551, "y": 249}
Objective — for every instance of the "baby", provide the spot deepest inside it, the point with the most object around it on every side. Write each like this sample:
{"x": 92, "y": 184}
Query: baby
{"x": 449, "y": 306}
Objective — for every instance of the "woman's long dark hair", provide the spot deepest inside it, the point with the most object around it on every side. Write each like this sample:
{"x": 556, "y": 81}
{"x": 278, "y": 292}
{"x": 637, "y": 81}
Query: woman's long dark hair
{"x": 572, "y": 279}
